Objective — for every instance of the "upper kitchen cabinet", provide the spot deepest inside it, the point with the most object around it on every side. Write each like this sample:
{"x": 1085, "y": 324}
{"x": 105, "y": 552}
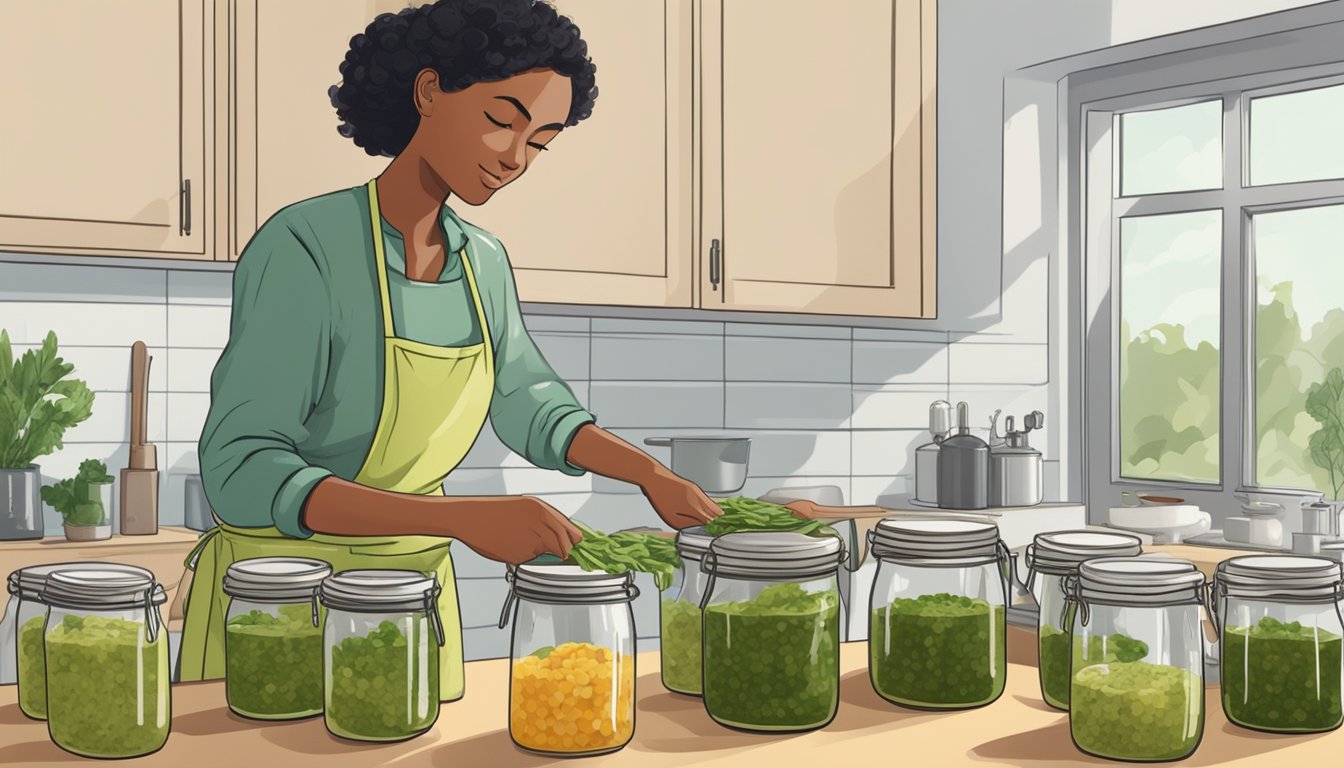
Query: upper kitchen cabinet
{"x": 819, "y": 147}
{"x": 286, "y": 148}
{"x": 103, "y": 141}
{"x": 605, "y": 217}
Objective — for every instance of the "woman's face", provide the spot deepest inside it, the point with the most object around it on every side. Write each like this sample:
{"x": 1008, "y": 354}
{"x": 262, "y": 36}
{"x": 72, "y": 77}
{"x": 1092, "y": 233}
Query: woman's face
{"x": 481, "y": 138}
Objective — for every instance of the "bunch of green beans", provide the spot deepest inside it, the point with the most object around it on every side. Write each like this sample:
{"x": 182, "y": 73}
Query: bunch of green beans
{"x": 625, "y": 552}
{"x": 744, "y": 514}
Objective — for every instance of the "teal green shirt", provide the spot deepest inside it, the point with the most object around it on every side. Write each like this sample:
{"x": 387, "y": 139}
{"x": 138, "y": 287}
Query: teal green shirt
{"x": 298, "y": 390}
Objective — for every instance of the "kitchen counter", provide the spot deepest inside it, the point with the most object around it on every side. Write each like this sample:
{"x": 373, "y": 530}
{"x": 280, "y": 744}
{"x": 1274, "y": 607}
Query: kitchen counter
{"x": 673, "y": 730}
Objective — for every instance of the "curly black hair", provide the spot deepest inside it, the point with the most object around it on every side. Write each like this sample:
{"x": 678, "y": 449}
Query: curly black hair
{"x": 465, "y": 42}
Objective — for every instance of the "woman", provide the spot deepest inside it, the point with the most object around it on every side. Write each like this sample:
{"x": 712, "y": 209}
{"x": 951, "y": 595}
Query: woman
{"x": 374, "y": 330}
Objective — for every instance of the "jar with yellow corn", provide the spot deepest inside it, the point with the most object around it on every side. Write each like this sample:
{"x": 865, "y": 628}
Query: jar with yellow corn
{"x": 572, "y": 677}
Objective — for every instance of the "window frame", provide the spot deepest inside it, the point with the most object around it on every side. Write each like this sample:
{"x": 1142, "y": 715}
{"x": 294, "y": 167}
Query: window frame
{"x": 1101, "y": 209}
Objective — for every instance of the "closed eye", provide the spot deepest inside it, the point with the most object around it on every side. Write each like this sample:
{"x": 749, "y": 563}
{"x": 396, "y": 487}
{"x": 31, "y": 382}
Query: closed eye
{"x": 537, "y": 146}
{"x": 496, "y": 122}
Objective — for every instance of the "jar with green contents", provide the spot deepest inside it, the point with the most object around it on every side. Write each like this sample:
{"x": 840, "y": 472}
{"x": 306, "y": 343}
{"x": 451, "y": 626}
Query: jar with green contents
{"x": 772, "y": 631}
{"x": 273, "y": 637}
{"x": 680, "y": 615}
{"x": 107, "y": 661}
{"x": 1052, "y": 559}
{"x": 1137, "y": 676}
{"x": 381, "y": 638}
{"x": 937, "y": 629}
{"x": 1280, "y": 629}
{"x": 30, "y": 618}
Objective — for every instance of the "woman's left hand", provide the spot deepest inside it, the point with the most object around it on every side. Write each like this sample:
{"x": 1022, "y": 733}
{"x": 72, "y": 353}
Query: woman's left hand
{"x": 678, "y": 501}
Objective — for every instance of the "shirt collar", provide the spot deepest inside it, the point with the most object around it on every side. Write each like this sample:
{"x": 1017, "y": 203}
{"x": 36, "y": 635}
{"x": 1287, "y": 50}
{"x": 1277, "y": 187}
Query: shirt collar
{"x": 455, "y": 238}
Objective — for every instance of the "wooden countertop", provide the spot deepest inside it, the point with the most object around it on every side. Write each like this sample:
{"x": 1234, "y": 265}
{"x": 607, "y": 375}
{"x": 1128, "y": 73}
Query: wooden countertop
{"x": 673, "y": 730}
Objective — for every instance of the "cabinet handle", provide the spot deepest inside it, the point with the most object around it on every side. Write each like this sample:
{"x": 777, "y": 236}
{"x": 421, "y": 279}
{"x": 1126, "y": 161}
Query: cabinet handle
{"x": 714, "y": 264}
{"x": 184, "y": 198}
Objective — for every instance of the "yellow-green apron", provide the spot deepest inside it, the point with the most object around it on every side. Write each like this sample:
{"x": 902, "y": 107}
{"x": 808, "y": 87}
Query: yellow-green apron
{"x": 435, "y": 401}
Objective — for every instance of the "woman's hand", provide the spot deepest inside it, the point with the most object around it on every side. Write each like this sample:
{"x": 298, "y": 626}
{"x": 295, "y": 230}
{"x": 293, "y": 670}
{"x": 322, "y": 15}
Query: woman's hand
{"x": 678, "y": 501}
{"x": 515, "y": 529}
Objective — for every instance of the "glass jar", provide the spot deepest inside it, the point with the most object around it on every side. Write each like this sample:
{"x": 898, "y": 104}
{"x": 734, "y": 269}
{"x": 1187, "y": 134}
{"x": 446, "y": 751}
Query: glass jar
{"x": 107, "y": 661}
{"x": 381, "y": 637}
{"x": 772, "y": 630}
{"x": 680, "y": 615}
{"x": 1280, "y": 627}
{"x": 937, "y": 629}
{"x": 30, "y": 618}
{"x": 572, "y": 668}
{"x": 1137, "y": 686}
{"x": 1052, "y": 558}
{"x": 273, "y": 637}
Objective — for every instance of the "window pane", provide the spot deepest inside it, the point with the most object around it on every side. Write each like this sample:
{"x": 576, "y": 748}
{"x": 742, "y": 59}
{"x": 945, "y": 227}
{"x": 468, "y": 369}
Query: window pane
{"x": 1298, "y": 136}
{"x": 1299, "y": 340}
{"x": 1172, "y": 150}
{"x": 1170, "y": 319}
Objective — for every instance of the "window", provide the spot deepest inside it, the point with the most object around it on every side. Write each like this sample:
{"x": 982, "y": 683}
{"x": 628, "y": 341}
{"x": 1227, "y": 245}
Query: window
{"x": 1215, "y": 274}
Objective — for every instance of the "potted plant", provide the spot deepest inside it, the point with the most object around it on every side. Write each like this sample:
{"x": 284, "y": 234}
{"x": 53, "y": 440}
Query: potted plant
{"x": 1325, "y": 404}
{"x": 84, "y": 502}
{"x": 37, "y": 405}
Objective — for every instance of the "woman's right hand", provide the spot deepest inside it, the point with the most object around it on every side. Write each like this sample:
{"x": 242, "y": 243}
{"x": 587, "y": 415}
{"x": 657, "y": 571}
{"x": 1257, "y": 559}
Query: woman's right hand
{"x": 515, "y": 529}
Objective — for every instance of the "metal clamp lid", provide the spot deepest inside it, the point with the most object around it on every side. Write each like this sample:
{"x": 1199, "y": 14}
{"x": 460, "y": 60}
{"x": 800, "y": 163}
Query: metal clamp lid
{"x": 1276, "y": 578}
{"x": 106, "y": 587}
{"x": 28, "y": 583}
{"x": 931, "y": 539}
{"x": 1135, "y": 582}
{"x": 771, "y": 556}
{"x": 1061, "y": 552}
{"x": 565, "y": 585}
{"x": 385, "y": 591}
{"x": 277, "y": 580}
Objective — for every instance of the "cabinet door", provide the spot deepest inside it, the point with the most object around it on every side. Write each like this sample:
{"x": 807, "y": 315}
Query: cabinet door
{"x": 102, "y": 145}
{"x": 605, "y": 216}
{"x": 820, "y": 132}
{"x": 286, "y": 148}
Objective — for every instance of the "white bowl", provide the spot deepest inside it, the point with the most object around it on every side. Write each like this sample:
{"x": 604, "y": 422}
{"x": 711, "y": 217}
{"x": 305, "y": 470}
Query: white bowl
{"x": 1167, "y": 525}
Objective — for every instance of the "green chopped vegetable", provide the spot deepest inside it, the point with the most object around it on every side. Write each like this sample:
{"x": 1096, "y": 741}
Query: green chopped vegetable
{"x": 543, "y": 651}
{"x": 1282, "y": 677}
{"x": 274, "y": 663}
{"x": 1137, "y": 711}
{"x": 107, "y": 687}
{"x": 32, "y": 671}
{"x": 681, "y": 650}
{"x": 744, "y": 514}
{"x": 938, "y": 651}
{"x": 383, "y": 686}
{"x": 773, "y": 663}
{"x": 1054, "y": 649}
{"x": 626, "y": 552}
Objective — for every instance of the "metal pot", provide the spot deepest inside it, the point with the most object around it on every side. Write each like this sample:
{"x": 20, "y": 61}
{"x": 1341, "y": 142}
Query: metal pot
{"x": 20, "y": 503}
{"x": 717, "y": 464}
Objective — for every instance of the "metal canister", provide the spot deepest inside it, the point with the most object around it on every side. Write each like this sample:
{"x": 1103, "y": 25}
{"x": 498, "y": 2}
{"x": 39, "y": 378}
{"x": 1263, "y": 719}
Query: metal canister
{"x": 963, "y": 467}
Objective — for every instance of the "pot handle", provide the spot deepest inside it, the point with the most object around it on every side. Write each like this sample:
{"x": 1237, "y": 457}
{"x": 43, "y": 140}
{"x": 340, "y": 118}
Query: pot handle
{"x": 661, "y": 442}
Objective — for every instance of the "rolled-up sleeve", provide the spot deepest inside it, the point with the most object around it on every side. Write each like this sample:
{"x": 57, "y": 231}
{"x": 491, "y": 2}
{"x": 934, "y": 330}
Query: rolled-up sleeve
{"x": 266, "y": 382}
{"x": 533, "y": 411}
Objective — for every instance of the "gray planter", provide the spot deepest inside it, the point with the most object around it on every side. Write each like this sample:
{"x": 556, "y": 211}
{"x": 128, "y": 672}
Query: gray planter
{"x": 20, "y": 503}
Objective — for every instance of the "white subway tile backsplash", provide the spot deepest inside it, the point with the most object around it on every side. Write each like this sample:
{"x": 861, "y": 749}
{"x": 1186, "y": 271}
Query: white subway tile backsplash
{"x": 657, "y": 357}
{"x": 886, "y": 452}
{"x": 783, "y": 453}
{"x": 176, "y": 462}
{"x": 787, "y": 331}
{"x": 198, "y": 326}
{"x": 787, "y": 406}
{"x": 893, "y": 406}
{"x": 186, "y": 415}
{"x": 557, "y": 324}
{"x": 753, "y": 358}
{"x": 567, "y": 353}
{"x": 869, "y": 490}
{"x": 65, "y": 284}
{"x": 111, "y": 419}
{"x": 900, "y": 334}
{"x": 621, "y": 325}
{"x": 189, "y": 369}
{"x": 975, "y": 363}
{"x": 647, "y": 404}
{"x": 187, "y": 287}
{"x": 85, "y": 323}
{"x": 759, "y": 485}
{"x": 899, "y": 362}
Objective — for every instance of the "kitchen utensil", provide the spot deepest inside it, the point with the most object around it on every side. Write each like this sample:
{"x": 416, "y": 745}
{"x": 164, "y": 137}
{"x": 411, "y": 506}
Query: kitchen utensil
{"x": 140, "y": 478}
{"x": 1016, "y": 475}
{"x": 195, "y": 507}
{"x": 1167, "y": 525}
{"x": 926, "y": 456}
{"x": 717, "y": 464}
{"x": 963, "y": 467}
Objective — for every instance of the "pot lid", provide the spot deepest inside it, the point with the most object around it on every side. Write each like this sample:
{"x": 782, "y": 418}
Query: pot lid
{"x": 571, "y": 584}
{"x": 102, "y": 586}
{"x": 1140, "y": 581}
{"x": 773, "y": 555}
{"x": 275, "y": 579}
{"x": 1287, "y": 577}
{"x": 375, "y": 590}
{"x": 1061, "y": 552}
{"x": 693, "y": 542}
{"x": 29, "y": 582}
{"x": 934, "y": 538}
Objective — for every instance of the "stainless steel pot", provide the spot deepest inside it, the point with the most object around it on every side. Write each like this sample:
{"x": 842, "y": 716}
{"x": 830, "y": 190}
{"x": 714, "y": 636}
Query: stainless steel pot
{"x": 717, "y": 464}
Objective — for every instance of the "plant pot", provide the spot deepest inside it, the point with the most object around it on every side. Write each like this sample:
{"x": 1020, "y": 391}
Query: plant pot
{"x": 88, "y": 532}
{"x": 21, "y": 503}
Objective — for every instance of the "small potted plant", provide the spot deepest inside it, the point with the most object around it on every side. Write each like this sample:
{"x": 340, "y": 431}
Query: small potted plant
{"x": 84, "y": 502}
{"x": 1325, "y": 404}
{"x": 38, "y": 403}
